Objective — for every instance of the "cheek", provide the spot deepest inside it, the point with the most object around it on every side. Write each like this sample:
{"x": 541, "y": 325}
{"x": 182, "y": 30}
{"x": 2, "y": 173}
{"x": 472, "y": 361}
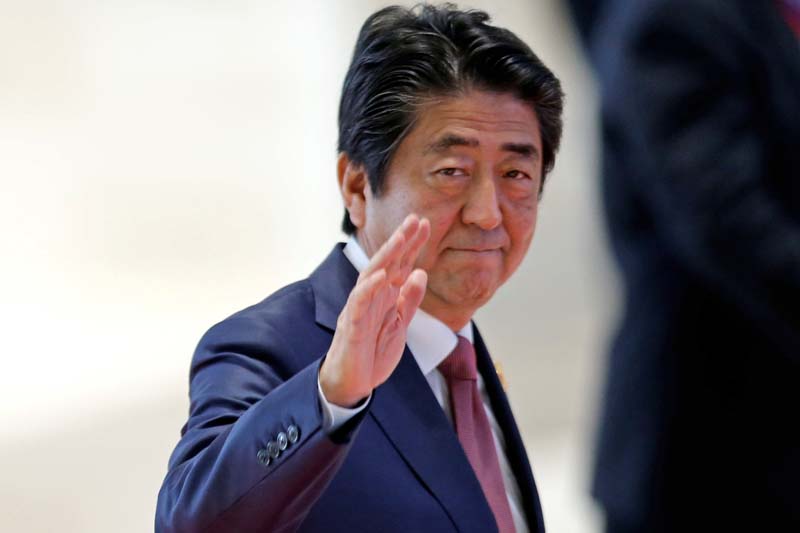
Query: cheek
{"x": 443, "y": 218}
{"x": 387, "y": 213}
{"x": 521, "y": 225}
{"x": 437, "y": 241}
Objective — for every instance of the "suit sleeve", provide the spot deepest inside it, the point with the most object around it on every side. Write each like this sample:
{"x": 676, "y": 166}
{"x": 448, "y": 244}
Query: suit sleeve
{"x": 219, "y": 478}
{"x": 676, "y": 80}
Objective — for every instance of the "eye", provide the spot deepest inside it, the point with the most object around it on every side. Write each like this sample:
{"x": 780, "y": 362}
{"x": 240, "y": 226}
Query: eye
{"x": 517, "y": 175}
{"x": 451, "y": 171}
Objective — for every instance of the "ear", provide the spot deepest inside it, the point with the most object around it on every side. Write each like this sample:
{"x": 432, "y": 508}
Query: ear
{"x": 353, "y": 185}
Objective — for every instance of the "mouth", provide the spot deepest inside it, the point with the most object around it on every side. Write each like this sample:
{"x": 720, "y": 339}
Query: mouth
{"x": 485, "y": 251}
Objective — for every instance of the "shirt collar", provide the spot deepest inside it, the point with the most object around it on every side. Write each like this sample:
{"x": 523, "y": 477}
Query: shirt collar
{"x": 429, "y": 339}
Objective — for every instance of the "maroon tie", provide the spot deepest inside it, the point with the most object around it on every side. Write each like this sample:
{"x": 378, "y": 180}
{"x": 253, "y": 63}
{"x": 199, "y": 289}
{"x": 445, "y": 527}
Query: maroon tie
{"x": 474, "y": 432}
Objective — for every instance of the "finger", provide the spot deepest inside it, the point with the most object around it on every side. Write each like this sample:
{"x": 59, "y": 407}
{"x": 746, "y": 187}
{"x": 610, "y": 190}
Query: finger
{"x": 361, "y": 297}
{"x": 384, "y": 298}
{"x": 411, "y": 254}
{"x": 399, "y": 269}
{"x": 404, "y": 233}
{"x": 394, "y": 246}
{"x": 390, "y": 320}
{"x": 391, "y": 328}
{"x": 411, "y": 295}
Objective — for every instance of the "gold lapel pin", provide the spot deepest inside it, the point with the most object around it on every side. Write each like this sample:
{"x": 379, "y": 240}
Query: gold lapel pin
{"x": 498, "y": 367}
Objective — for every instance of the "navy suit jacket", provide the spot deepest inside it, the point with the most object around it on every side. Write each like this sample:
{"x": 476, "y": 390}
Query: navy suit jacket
{"x": 701, "y": 182}
{"x": 398, "y": 466}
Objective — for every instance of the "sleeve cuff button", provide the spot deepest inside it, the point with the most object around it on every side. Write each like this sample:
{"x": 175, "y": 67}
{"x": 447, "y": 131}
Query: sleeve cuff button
{"x": 293, "y": 434}
{"x": 273, "y": 449}
{"x": 283, "y": 440}
{"x": 263, "y": 457}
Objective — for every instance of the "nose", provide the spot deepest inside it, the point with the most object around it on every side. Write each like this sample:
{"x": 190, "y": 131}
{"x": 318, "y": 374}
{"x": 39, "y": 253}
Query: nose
{"x": 482, "y": 207}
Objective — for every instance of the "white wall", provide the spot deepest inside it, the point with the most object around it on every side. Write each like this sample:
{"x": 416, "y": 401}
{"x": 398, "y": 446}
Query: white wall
{"x": 154, "y": 155}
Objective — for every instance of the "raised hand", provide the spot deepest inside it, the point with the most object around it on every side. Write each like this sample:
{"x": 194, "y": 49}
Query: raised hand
{"x": 371, "y": 330}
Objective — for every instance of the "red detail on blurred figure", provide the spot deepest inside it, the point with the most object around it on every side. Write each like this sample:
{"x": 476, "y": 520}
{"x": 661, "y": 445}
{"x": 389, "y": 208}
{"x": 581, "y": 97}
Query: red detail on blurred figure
{"x": 791, "y": 12}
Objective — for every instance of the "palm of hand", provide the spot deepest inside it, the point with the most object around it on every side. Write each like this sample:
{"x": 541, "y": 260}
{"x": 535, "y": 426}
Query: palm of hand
{"x": 371, "y": 330}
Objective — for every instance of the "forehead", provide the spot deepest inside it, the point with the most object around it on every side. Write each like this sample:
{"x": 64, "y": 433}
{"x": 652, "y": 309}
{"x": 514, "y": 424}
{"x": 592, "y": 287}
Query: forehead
{"x": 486, "y": 117}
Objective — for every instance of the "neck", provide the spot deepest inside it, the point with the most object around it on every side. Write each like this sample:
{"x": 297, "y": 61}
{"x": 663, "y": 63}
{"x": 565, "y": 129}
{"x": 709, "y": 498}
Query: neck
{"x": 453, "y": 319}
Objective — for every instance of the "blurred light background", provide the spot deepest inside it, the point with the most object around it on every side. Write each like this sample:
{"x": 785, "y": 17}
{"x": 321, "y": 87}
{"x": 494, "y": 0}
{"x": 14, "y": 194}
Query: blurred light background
{"x": 166, "y": 163}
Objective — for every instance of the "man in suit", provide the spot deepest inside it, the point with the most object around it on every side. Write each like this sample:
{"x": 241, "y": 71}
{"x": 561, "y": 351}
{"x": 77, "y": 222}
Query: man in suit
{"x": 363, "y": 398}
{"x": 701, "y": 129}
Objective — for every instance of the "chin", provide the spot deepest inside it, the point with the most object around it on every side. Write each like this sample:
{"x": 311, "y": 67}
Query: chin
{"x": 470, "y": 289}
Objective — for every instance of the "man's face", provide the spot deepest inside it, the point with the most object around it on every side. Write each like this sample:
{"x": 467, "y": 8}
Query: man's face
{"x": 471, "y": 166}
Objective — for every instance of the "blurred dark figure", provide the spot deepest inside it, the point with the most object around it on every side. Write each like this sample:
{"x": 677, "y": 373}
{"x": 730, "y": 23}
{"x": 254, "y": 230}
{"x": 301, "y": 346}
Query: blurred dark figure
{"x": 701, "y": 183}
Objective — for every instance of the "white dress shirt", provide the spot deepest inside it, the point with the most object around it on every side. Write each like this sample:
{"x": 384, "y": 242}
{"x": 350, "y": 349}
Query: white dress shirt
{"x": 430, "y": 342}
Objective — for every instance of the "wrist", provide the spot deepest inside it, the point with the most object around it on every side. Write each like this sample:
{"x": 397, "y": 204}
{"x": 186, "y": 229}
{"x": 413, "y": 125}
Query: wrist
{"x": 333, "y": 392}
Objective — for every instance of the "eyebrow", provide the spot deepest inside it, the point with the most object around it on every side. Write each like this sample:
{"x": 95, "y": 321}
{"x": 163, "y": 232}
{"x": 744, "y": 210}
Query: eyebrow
{"x": 448, "y": 141}
{"x": 443, "y": 144}
{"x": 524, "y": 149}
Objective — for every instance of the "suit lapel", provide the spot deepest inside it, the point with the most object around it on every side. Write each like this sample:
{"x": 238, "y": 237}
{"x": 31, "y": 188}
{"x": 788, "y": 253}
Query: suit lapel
{"x": 407, "y": 411}
{"x": 332, "y": 282}
{"x": 515, "y": 449}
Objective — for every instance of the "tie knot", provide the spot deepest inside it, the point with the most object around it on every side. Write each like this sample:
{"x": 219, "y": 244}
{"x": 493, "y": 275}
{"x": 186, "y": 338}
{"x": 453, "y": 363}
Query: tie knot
{"x": 460, "y": 364}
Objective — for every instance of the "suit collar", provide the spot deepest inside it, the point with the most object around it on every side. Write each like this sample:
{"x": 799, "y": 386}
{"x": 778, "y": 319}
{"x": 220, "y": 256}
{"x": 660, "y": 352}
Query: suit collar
{"x": 332, "y": 282}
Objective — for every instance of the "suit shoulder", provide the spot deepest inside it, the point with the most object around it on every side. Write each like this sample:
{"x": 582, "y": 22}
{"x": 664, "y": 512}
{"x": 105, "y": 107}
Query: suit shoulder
{"x": 266, "y": 324}
{"x": 282, "y": 306}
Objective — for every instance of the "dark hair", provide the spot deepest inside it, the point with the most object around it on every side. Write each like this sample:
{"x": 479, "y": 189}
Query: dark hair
{"x": 403, "y": 57}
